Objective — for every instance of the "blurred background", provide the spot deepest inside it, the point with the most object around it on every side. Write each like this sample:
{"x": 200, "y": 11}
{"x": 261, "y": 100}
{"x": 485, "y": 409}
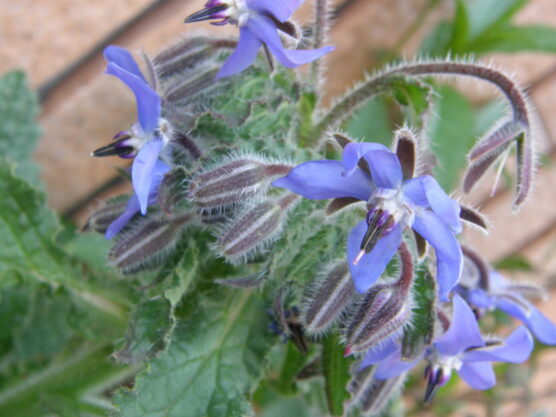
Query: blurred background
{"x": 58, "y": 43}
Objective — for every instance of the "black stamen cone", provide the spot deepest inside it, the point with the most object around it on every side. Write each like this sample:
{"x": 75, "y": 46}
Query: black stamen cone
{"x": 205, "y": 14}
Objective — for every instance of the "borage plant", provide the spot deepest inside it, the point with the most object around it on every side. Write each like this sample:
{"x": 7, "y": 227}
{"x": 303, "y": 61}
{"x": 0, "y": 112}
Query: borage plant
{"x": 245, "y": 286}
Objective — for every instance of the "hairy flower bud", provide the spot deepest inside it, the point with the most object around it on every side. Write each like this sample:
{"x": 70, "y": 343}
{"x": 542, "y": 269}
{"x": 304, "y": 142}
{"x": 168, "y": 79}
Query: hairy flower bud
{"x": 233, "y": 182}
{"x": 151, "y": 239}
{"x": 254, "y": 228}
{"x": 327, "y": 297}
{"x": 188, "y": 54}
{"x": 103, "y": 217}
{"x": 384, "y": 310}
{"x": 379, "y": 395}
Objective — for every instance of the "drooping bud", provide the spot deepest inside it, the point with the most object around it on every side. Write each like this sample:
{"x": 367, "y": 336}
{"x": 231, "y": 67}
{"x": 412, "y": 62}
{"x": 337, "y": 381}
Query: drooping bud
{"x": 287, "y": 320}
{"x": 327, "y": 297}
{"x": 384, "y": 311}
{"x": 151, "y": 239}
{"x": 255, "y": 228}
{"x": 233, "y": 181}
{"x": 103, "y": 217}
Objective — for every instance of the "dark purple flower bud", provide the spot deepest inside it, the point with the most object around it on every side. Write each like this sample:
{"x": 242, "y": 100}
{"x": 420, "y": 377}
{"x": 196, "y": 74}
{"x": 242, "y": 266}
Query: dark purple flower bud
{"x": 149, "y": 240}
{"x": 475, "y": 217}
{"x": 327, "y": 298}
{"x": 233, "y": 182}
{"x": 255, "y": 228}
{"x": 384, "y": 311}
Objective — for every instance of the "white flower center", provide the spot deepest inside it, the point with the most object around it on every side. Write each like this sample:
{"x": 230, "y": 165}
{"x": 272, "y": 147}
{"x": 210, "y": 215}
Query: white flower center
{"x": 237, "y": 11}
{"x": 393, "y": 202}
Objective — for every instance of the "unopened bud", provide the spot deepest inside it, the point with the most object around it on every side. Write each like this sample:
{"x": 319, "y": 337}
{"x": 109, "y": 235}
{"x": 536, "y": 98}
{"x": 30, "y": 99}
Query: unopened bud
{"x": 173, "y": 190}
{"x": 255, "y": 228}
{"x": 149, "y": 240}
{"x": 188, "y": 54}
{"x": 185, "y": 89}
{"x": 233, "y": 182}
{"x": 328, "y": 296}
{"x": 380, "y": 394}
{"x": 103, "y": 217}
{"x": 384, "y": 310}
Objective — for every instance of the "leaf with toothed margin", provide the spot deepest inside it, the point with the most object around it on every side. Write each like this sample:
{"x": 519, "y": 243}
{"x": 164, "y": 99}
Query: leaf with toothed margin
{"x": 336, "y": 370}
{"x": 211, "y": 366}
{"x": 148, "y": 331}
{"x": 18, "y": 129}
{"x": 420, "y": 334}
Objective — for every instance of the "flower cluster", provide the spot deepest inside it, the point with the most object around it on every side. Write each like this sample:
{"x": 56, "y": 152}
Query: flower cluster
{"x": 385, "y": 279}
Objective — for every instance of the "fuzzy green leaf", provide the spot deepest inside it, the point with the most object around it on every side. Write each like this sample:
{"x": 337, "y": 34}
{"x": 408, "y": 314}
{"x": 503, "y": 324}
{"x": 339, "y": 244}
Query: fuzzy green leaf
{"x": 148, "y": 331}
{"x": 213, "y": 363}
{"x": 18, "y": 129}
{"x": 536, "y": 38}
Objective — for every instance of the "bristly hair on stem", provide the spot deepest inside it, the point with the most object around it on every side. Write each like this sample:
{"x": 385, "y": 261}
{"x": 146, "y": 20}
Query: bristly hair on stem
{"x": 321, "y": 29}
{"x": 518, "y": 128}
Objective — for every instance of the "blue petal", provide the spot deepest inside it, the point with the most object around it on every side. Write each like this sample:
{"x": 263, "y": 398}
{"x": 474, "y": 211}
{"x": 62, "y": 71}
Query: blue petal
{"x": 117, "y": 225}
{"x": 480, "y": 298}
{"x": 281, "y": 10}
{"x": 425, "y": 192}
{"x": 142, "y": 171}
{"x": 319, "y": 180}
{"x": 371, "y": 265}
{"x": 478, "y": 375}
{"x": 539, "y": 324}
{"x": 516, "y": 349}
{"x": 449, "y": 258}
{"x": 243, "y": 56}
{"x": 380, "y": 353}
{"x": 133, "y": 203}
{"x": 463, "y": 332}
{"x": 265, "y": 30}
{"x": 385, "y": 168}
{"x": 393, "y": 366}
{"x": 148, "y": 102}
{"x": 123, "y": 59}
{"x": 355, "y": 151}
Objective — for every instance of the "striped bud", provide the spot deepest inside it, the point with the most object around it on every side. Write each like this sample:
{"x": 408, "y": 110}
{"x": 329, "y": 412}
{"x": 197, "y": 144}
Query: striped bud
{"x": 379, "y": 395}
{"x": 256, "y": 227}
{"x": 327, "y": 297}
{"x": 103, "y": 217}
{"x": 384, "y": 310}
{"x": 188, "y": 54}
{"x": 233, "y": 182}
{"x": 172, "y": 191}
{"x": 148, "y": 243}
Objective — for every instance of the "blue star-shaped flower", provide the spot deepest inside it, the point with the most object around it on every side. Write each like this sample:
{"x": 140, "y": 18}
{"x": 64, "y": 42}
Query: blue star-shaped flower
{"x": 461, "y": 348}
{"x": 145, "y": 142}
{"x": 508, "y": 297}
{"x": 258, "y": 22}
{"x": 393, "y": 202}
